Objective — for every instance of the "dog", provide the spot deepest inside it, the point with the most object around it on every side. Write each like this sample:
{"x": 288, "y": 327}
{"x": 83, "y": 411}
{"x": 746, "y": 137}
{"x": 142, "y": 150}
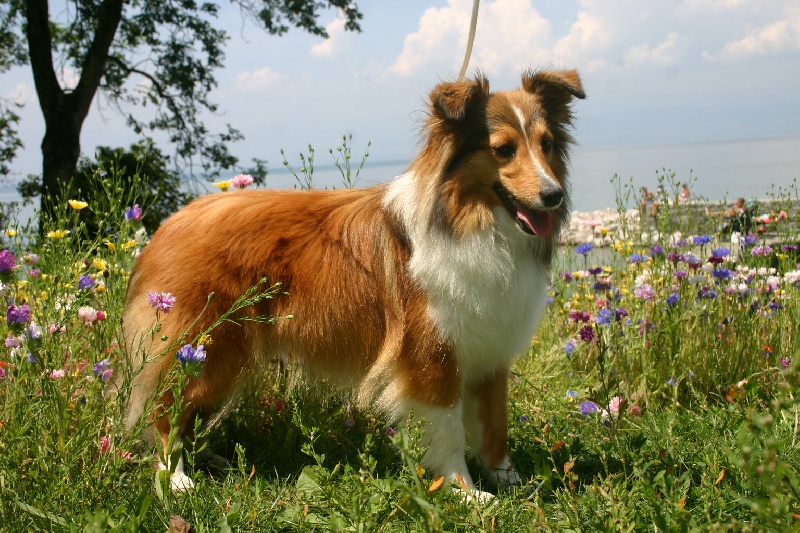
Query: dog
{"x": 417, "y": 294}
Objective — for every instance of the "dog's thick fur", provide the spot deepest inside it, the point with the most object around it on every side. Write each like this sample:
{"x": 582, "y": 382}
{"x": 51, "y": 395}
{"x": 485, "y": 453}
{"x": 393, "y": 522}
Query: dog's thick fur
{"x": 417, "y": 293}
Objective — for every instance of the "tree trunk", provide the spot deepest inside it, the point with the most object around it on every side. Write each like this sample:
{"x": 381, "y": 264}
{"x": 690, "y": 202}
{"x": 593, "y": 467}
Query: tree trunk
{"x": 60, "y": 152}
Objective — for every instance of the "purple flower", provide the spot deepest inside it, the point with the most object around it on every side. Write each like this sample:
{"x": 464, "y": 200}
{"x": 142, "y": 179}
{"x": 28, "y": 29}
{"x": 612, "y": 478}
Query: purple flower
{"x": 579, "y": 316}
{"x": 133, "y": 213}
{"x": 762, "y": 251}
{"x": 638, "y": 258}
{"x": 656, "y": 249}
{"x": 349, "y": 423}
{"x": 706, "y": 293}
{"x": 589, "y": 408}
{"x": 691, "y": 259}
{"x": 595, "y": 270}
{"x": 789, "y": 247}
{"x": 103, "y": 369}
{"x": 602, "y": 285}
{"x": 566, "y": 276}
{"x": 721, "y": 273}
{"x": 701, "y": 239}
{"x": 161, "y": 301}
{"x": 620, "y": 313}
{"x": 85, "y": 282}
{"x": 189, "y": 355}
{"x": 584, "y": 249}
{"x": 569, "y": 347}
{"x": 18, "y": 315}
{"x": 673, "y": 299}
{"x": 680, "y": 274}
{"x": 604, "y": 316}
{"x": 7, "y": 261}
{"x": 586, "y": 333}
{"x": 672, "y": 381}
{"x": 749, "y": 240}
{"x": 12, "y": 342}
{"x": 721, "y": 252}
{"x": 390, "y": 431}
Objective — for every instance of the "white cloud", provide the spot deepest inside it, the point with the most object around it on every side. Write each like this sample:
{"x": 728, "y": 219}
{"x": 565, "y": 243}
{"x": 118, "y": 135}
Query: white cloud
{"x": 770, "y": 38}
{"x": 336, "y": 42}
{"x": 665, "y": 54}
{"x": 257, "y": 80}
{"x": 68, "y": 78}
{"x": 588, "y": 37}
{"x": 22, "y": 94}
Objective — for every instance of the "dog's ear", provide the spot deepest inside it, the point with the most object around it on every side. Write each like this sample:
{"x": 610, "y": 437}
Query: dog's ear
{"x": 555, "y": 87}
{"x": 453, "y": 100}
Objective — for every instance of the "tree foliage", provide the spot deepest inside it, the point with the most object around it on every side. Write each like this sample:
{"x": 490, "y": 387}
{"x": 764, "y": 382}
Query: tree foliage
{"x": 153, "y": 60}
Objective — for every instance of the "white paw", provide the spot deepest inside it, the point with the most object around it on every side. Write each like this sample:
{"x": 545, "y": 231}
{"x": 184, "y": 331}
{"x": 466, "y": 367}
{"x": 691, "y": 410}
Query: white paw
{"x": 180, "y": 482}
{"x": 505, "y": 478}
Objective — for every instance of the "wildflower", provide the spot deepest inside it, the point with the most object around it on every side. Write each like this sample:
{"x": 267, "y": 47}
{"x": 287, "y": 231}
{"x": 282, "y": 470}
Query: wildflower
{"x": 749, "y": 240}
{"x": 189, "y": 355}
{"x": 589, "y": 408}
{"x": 390, "y": 431}
{"x": 672, "y": 382}
{"x": 571, "y": 395}
{"x": 644, "y": 292}
{"x": 602, "y": 285}
{"x": 673, "y": 299}
{"x": 161, "y": 301}
{"x": 52, "y": 329}
{"x": 762, "y": 251}
{"x": 638, "y": 258}
{"x": 524, "y": 419}
{"x": 706, "y": 293}
{"x": 18, "y": 315}
{"x": 90, "y": 315}
{"x": 349, "y": 423}
{"x": 635, "y": 410}
{"x": 595, "y": 270}
{"x": 656, "y": 249}
{"x": 604, "y": 316}
{"x": 279, "y": 405}
{"x": 644, "y": 325}
{"x": 11, "y": 232}
{"x": 12, "y": 341}
{"x": 789, "y": 247}
{"x": 701, "y": 239}
{"x": 584, "y": 249}
{"x": 103, "y": 370}
{"x": 586, "y": 333}
{"x": 34, "y": 331}
{"x": 241, "y": 181}
{"x": 7, "y": 261}
{"x": 569, "y": 347}
{"x": 680, "y": 274}
{"x": 85, "y": 282}
{"x": 58, "y": 234}
{"x": 30, "y": 259}
{"x": 620, "y": 313}
{"x": 785, "y": 362}
{"x": 580, "y": 316}
{"x": 721, "y": 252}
{"x": 222, "y": 185}
{"x": 566, "y": 276}
{"x": 60, "y": 373}
{"x": 105, "y": 444}
{"x": 133, "y": 213}
{"x": 77, "y": 205}
{"x": 34, "y": 273}
{"x": 100, "y": 264}
{"x": 691, "y": 260}
{"x": 721, "y": 273}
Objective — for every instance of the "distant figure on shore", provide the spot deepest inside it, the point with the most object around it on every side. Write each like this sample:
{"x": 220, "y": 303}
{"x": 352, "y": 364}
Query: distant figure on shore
{"x": 684, "y": 195}
{"x": 647, "y": 199}
{"x": 738, "y": 217}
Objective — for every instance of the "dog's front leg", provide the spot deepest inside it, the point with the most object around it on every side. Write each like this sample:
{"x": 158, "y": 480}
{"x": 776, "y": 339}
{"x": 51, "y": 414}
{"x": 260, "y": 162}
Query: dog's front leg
{"x": 486, "y": 422}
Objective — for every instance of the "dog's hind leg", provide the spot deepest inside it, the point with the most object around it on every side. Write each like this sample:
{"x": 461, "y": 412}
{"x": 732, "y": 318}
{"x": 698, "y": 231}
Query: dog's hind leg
{"x": 486, "y": 422}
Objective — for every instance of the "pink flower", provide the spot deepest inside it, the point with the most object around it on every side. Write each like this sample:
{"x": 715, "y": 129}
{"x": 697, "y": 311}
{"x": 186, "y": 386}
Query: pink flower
{"x": 161, "y": 301}
{"x": 635, "y": 410}
{"x": 87, "y": 314}
{"x": 105, "y": 444}
{"x": 52, "y": 329}
{"x": 644, "y": 292}
{"x": 60, "y": 373}
{"x": 242, "y": 181}
{"x": 614, "y": 405}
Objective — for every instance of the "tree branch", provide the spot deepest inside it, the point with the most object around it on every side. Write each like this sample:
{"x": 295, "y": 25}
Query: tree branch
{"x": 40, "y": 43}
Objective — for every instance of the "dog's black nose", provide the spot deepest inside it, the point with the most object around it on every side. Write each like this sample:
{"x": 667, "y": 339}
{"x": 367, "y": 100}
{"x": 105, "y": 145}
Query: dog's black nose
{"x": 552, "y": 198}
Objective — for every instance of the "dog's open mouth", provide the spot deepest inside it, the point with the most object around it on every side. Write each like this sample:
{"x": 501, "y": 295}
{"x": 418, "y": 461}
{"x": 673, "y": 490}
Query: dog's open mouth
{"x": 531, "y": 221}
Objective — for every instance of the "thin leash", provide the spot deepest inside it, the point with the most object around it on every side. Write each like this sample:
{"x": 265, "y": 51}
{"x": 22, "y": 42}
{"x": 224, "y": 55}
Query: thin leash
{"x": 472, "y": 26}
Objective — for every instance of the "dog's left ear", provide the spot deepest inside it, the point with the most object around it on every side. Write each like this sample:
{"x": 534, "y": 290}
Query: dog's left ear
{"x": 555, "y": 87}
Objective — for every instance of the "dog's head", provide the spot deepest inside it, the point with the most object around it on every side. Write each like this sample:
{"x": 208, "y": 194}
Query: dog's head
{"x": 503, "y": 151}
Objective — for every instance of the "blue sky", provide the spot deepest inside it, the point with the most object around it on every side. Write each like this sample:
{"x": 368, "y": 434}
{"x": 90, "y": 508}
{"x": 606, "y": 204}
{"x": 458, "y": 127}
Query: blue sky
{"x": 655, "y": 72}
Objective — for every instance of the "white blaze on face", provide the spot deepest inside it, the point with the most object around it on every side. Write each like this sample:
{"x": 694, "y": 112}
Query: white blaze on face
{"x": 543, "y": 174}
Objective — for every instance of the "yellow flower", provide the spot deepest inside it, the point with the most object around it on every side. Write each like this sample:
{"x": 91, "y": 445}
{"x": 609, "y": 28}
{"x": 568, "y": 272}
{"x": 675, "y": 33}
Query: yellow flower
{"x": 11, "y": 232}
{"x": 110, "y": 245}
{"x": 100, "y": 287}
{"x": 77, "y": 205}
{"x": 57, "y": 234}
{"x": 128, "y": 244}
{"x": 205, "y": 339}
{"x": 603, "y": 231}
{"x": 222, "y": 185}
{"x": 100, "y": 264}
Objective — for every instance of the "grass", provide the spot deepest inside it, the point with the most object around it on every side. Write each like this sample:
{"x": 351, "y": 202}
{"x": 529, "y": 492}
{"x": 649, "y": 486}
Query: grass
{"x": 634, "y": 409}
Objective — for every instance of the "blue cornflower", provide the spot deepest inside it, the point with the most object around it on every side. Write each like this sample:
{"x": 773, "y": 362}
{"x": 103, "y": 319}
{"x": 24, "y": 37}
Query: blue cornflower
{"x": 673, "y": 299}
{"x": 672, "y": 381}
{"x": 721, "y": 273}
{"x": 656, "y": 249}
{"x": 749, "y": 240}
{"x": 705, "y": 292}
{"x": 85, "y": 282}
{"x": 589, "y": 408}
{"x": 602, "y": 285}
{"x": 133, "y": 213}
{"x": 571, "y": 394}
{"x": 638, "y": 258}
{"x": 701, "y": 239}
{"x": 595, "y": 270}
{"x": 584, "y": 249}
{"x": 188, "y": 355}
{"x": 569, "y": 348}
{"x": 721, "y": 252}
{"x": 604, "y": 316}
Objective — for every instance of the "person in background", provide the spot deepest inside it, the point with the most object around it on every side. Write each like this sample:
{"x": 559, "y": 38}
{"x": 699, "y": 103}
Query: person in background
{"x": 684, "y": 195}
{"x": 647, "y": 199}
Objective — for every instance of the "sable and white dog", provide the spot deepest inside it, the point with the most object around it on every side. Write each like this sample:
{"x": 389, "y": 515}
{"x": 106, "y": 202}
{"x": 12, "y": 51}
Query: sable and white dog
{"x": 417, "y": 293}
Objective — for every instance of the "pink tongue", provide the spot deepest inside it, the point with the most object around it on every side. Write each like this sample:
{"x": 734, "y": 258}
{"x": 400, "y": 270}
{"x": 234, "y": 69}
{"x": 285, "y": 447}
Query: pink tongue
{"x": 540, "y": 222}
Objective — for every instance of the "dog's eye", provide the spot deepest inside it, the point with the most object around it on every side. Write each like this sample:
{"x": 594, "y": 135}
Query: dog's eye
{"x": 505, "y": 150}
{"x": 547, "y": 145}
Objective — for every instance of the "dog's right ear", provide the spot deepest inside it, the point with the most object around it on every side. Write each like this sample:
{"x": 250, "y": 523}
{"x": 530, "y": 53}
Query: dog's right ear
{"x": 453, "y": 100}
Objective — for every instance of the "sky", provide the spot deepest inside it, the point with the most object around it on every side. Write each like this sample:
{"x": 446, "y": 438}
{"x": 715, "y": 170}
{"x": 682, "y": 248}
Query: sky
{"x": 655, "y": 72}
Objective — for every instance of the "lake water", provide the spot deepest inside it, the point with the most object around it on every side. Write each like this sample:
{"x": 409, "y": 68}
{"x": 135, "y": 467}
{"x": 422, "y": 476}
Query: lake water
{"x": 715, "y": 170}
